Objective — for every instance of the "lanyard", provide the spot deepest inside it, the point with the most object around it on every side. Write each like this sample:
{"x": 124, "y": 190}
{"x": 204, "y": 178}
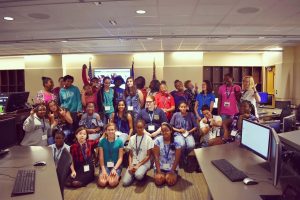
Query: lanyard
{"x": 137, "y": 149}
{"x": 228, "y": 94}
{"x": 83, "y": 151}
{"x": 151, "y": 116}
{"x": 184, "y": 123}
{"x": 56, "y": 156}
{"x": 119, "y": 123}
{"x": 166, "y": 152}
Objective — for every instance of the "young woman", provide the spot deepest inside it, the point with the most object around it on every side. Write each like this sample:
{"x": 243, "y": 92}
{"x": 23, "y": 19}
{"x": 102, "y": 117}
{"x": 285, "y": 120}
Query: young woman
{"x": 167, "y": 154}
{"x": 60, "y": 118}
{"x": 82, "y": 168}
{"x": 59, "y": 145}
{"x": 191, "y": 93}
{"x": 46, "y": 95}
{"x": 133, "y": 97}
{"x": 118, "y": 91}
{"x": 107, "y": 98}
{"x": 140, "y": 147}
{"x": 111, "y": 157}
{"x": 249, "y": 92}
{"x": 153, "y": 117}
{"x": 36, "y": 127}
{"x": 178, "y": 94}
{"x": 87, "y": 96}
{"x": 246, "y": 111}
{"x": 153, "y": 88}
{"x": 206, "y": 97}
{"x": 185, "y": 125}
{"x": 165, "y": 101}
{"x": 124, "y": 122}
{"x": 91, "y": 120}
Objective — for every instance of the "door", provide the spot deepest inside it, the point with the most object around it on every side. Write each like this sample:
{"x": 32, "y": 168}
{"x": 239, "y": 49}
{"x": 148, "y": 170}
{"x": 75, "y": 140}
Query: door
{"x": 270, "y": 77}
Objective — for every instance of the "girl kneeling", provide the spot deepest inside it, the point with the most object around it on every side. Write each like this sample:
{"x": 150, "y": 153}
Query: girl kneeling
{"x": 167, "y": 154}
{"x": 111, "y": 157}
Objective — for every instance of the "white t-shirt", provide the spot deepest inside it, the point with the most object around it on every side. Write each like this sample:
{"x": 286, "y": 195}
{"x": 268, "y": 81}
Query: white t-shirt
{"x": 146, "y": 144}
{"x": 249, "y": 96}
{"x": 214, "y": 132}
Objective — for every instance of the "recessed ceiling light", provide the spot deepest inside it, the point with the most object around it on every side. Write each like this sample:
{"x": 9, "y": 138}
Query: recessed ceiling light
{"x": 141, "y": 12}
{"x": 113, "y": 22}
{"x": 64, "y": 41}
{"x": 261, "y": 37}
{"x": 149, "y": 38}
{"x": 8, "y": 18}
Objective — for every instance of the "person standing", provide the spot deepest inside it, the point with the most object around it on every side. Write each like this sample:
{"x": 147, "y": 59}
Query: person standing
{"x": 178, "y": 94}
{"x": 134, "y": 98}
{"x": 46, "y": 95}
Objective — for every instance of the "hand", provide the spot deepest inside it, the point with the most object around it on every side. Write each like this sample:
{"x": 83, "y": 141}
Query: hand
{"x": 73, "y": 174}
{"x": 199, "y": 119}
{"x": 51, "y": 115}
{"x": 32, "y": 111}
{"x": 135, "y": 168}
{"x": 113, "y": 172}
{"x": 104, "y": 174}
{"x": 84, "y": 66}
{"x": 182, "y": 130}
{"x": 245, "y": 116}
{"x": 165, "y": 110}
{"x": 254, "y": 87}
{"x": 212, "y": 122}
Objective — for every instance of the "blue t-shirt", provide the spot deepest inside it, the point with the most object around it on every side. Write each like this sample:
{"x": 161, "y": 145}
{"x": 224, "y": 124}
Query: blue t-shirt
{"x": 134, "y": 101}
{"x": 166, "y": 154}
{"x": 204, "y": 100}
{"x": 155, "y": 118}
{"x": 119, "y": 94}
{"x": 178, "y": 97}
{"x": 70, "y": 98}
{"x": 110, "y": 150}
{"x": 187, "y": 122}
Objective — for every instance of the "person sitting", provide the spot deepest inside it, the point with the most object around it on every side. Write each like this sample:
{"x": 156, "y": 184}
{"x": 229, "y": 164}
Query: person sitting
{"x": 123, "y": 120}
{"x": 91, "y": 120}
{"x": 210, "y": 126}
{"x": 111, "y": 157}
{"x": 246, "y": 111}
{"x": 140, "y": 147}
{"x": 37, "y": 127}
{"x": 165, "y": 101}
{"x": 166, "y": 154}
{"x": 82, "y": 168}
{"x": 59, "y": 145}
{"x": 153, "y": 117}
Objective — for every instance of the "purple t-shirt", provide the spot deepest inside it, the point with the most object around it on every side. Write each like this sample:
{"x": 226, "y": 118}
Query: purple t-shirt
{"x": 229, "y": 105}
{"x": 187, "y": 122}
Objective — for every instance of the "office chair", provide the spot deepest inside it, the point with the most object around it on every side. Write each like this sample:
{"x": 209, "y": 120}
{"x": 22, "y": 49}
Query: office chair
{"x": 282, "y": 104}
{"x": 63, "y": 169}
{"x": 289, "y": 123}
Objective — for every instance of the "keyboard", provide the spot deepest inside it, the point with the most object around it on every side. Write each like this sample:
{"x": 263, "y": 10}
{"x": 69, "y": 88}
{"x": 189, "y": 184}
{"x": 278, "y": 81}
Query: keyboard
{"x": 229, "y": 170}
{"x": 24, "y": 182}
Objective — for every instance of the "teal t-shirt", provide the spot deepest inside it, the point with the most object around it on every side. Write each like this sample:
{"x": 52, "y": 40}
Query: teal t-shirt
{"x": 109, "y": 100}
{"x": 110, "y": 149}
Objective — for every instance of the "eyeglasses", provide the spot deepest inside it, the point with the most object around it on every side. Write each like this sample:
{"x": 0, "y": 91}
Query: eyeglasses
{"x": 149, "y": 101}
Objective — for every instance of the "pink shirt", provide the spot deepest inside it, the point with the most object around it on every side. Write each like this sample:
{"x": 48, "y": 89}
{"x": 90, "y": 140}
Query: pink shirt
{"x": 93, "y": 99}
{"x": 229, "y": 104}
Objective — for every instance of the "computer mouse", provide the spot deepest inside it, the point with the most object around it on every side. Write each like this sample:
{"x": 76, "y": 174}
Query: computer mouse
{"x": 39, "y": 163}
{"x": 274, "y": 112}
{"x": 249, "y": 181}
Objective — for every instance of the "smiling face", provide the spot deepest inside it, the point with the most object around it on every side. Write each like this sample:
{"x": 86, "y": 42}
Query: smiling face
{"x": 140, "y": 128}
{"x": 121, "y": 106}
{"x": 68, "y": 83}
{"x": 163, "y": 88}
{"x": 207, "y": 114}
{"x": 129, "y": 82}
{"x": 59, "y": 140}
{"x": 183, "y": 107}
{"x": 179, "y": 86}
{"x": 166, "y": 132}
{"x": 41, "y": 111}
{"x": 106, "y": 83}
{"x": 110, "y": 131}
{"x": 52, "y": 106}
{"x": 149, "y": 103}
{"x": 90, "y": 109}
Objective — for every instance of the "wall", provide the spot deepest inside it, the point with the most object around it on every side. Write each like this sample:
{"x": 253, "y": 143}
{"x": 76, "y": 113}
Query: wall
{"x": 7, "y": 63}
{"x": 232, "y": 59}
{"x": 296, "y": 75}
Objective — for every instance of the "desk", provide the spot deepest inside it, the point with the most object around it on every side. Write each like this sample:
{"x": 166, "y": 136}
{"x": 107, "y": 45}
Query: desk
{"x": 46, "y": 182}
{"x": 291, "y": 139}
{"x": 268, "y": 112}
{"x": 221, "y": 187}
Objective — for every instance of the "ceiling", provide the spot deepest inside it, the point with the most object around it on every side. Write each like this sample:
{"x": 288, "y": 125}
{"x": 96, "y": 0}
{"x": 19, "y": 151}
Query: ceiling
{"x": 83, "y": 26}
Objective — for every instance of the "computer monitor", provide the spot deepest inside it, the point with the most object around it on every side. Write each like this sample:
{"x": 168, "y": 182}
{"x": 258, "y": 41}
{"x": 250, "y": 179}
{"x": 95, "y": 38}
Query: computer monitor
{"x": 8, "y": 134}
{"x": 263, "y": 97}
{"x": 16, "y": 101}
{"x": 275, "y": 156}
{"x": 256, "y": 138}
{"x": 216, "y": 103}
{"x": 123, "y": 72}
{"x": 289, "y": 123}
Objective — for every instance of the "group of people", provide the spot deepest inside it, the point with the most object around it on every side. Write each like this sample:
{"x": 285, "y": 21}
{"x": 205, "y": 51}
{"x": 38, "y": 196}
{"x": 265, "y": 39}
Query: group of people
{"x": 150, "y": 125}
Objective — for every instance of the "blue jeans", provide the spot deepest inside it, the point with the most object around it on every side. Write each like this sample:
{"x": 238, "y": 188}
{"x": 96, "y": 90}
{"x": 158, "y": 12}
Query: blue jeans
{"x": 185, "y": 142}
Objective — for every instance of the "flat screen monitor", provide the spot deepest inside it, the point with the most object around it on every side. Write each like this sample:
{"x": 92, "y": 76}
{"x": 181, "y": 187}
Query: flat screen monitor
{"x": 3, "y": 99}
{"x": 16, "y": 101}
{"x": 124, "y": 73}
{"x": 263, "y": 97}
{"x": 275, "y": 156}
{"x": 289, "y": 122}
{"x": 256, "y": 138}
{"x": 216, "y": 103}
{"x": 8, "y": 133}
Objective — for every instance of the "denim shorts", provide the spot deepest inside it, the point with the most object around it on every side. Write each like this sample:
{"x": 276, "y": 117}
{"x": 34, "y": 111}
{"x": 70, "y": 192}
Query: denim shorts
{"x": 108, "y": 170}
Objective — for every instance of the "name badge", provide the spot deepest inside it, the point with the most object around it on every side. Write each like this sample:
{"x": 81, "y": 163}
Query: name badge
{"x": 166, "y": 166}
{"x": 185, "y": 134}
{"x": 135, "y": 162}
{"x": 226, "y": 104}
{"x": 151, "y": 128}
{"x": 107, "y": 108}
{"x": 86, "y": 168}
{"x": 156, "y": 117}
{"x": 110, "y": 164}
{"x": 130, "y": 108}
{"x": 233, "y": 133}
{"x": 44, "y": 137}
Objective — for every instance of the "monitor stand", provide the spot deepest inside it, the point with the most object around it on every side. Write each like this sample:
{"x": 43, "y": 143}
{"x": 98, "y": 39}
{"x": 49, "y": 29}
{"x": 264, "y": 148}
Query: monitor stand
{"x": 3, "y": 152}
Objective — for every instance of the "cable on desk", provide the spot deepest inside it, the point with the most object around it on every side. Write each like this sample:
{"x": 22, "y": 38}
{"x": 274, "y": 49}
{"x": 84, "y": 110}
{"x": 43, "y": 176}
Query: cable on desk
{"x": 8, "y": 176}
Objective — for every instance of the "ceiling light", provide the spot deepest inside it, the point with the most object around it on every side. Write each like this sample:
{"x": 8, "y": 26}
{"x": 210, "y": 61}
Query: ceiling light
{"x": 8, "y": 18}
{"x": 261, "y": 37}
{"x": 141, "y": 12}
{"x": 149, "y": 38}
{"x": 113, "y": 22}
{"x": 64, "y": 41}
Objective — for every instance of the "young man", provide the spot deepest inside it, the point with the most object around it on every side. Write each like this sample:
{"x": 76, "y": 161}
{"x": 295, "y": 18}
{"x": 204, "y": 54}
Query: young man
{"x": 229, "y": 96}
{"x": 178, "y": 94}
{"x": 210, "y": 126}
